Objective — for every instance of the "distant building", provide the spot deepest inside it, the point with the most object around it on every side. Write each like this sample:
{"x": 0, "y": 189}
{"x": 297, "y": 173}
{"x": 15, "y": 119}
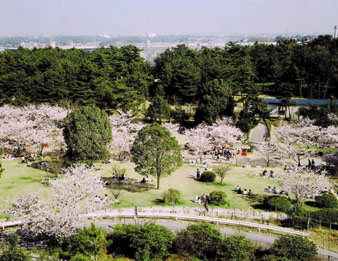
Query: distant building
{"x": 278, "y": 108}
{"x": 148, "y": 44}
{"x": 151, "y": 35}
{"x": 335, "y": 32}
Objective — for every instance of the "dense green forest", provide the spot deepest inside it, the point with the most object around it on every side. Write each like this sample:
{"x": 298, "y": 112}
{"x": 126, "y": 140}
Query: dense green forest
{"x": 113, "y": 78}
{"x": 107, "y": 77}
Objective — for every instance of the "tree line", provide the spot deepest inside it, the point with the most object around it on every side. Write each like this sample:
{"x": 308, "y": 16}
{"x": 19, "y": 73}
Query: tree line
{"x": 116, "y": 78}
{"x": 212, "y": 79}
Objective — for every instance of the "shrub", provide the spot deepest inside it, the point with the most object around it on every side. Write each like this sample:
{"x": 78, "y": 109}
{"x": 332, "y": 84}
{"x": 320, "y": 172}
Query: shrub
{"x": 326, "y": 214}
{"x": 86, "y": 243}
{"x": 208, "y": 176}
{"x": 217, "y": 198}
{"x": 278, "y": 203}
{"x": 199, "y": 240}
{"x": 235, "y": 247}
{"x": 294, "y": 248}
{"x": 12, "y": 252}
{"x": 141, "y": 242}
{"x": 327, "y": 201}
{"x": 171, "y": 196}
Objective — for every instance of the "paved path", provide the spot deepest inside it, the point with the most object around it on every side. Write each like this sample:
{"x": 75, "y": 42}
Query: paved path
{"x": 177, "y": 225}
{"x": 176, "y": 216}
{"x": 265, "y": 239}
{"x": 258, "y": 133}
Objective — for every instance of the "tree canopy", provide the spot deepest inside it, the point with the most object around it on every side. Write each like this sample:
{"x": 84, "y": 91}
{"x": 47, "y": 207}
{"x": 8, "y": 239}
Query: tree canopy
{"x": 87, "y": 131}
{"x": 155, "y": 152}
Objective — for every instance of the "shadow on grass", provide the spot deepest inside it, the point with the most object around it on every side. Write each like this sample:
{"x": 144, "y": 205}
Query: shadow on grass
{"x": 130, "y": 185}
{"x": 160, "y": 202}
{"x": 221, "y": 184}
{"x": 311, "y": 204}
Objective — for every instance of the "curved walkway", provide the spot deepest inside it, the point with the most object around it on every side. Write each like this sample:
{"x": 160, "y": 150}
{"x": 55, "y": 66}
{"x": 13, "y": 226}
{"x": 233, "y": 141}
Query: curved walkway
{"x": 253, "y": 236}
{"x": 177, "y": 216}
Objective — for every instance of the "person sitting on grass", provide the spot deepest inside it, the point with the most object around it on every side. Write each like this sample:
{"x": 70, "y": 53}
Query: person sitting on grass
{"x": 245, "y": 192}
{"x": 237, "y": 188}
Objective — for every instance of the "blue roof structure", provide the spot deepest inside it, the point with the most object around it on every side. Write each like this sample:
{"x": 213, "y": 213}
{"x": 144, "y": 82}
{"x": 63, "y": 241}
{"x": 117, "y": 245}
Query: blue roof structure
{"x": 300, "y": 102}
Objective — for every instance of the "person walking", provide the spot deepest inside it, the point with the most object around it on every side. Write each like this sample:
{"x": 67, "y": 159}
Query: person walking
{"x": 206, "y": 205}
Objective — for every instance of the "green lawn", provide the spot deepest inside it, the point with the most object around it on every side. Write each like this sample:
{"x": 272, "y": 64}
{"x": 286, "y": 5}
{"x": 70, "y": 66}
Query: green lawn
{"x": 183, "y": 180}
{"x": 19, "y": 179}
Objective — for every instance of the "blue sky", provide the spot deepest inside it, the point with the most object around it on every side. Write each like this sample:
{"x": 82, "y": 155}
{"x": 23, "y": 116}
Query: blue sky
{"x": 137, "y": 17}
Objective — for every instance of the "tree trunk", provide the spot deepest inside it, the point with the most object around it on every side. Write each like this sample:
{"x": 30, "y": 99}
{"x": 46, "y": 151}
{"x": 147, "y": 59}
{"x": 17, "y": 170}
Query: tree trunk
{"x": 300, "y": 90}
{"x": 158, "y": 181}
{"x": 326, "y": 87}
{"x": 299, "y": 161}
{"x": 41, "y": 149}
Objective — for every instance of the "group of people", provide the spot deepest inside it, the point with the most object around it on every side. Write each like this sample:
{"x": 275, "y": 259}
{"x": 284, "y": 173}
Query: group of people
{"x": 116, "y": 178}
{"x": 204, "y": 199}
{"x": 311, "y": 164}
{"x": 243, "y": 191}
{"x": 145, "y": 180}
{"x": 275, "y": 191}
{"x": 265, "y": 174}
{"x": 98, "y": 199}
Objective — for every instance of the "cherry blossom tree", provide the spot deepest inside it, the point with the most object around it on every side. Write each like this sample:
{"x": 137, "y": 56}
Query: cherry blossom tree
{"x": 71, "y": 196}
{"x": 224, "y": 131}
{"x": 328, "y": 137}
{"x": 267, "y": 151}
{"x": 203, "y": 136}
{"x": 32, "y": 127}
{"x": 294, "y": 140}
{"x": 200, "y": 140}
{"x": 124, "y": 131}
{"x": 302, "y": 182}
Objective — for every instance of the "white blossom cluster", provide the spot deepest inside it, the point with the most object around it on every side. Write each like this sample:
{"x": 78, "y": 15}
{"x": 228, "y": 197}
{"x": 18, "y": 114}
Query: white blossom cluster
{"x": 57, "y": 214}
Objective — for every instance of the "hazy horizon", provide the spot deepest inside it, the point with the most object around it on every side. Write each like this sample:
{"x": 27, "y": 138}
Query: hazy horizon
{"x": 131, "y": 17}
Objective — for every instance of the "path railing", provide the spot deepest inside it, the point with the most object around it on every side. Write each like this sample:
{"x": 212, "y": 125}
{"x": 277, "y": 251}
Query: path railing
{"x": 130, "y": 213}
{"x": 216, "y": 215}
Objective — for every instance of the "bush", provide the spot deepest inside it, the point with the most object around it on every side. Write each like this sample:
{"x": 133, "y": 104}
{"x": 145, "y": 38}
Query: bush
{"x": 327, "y": 201}
{"x": 141, "y": 242}
{"x": 326, "y": 214}
{"x": 208, "y": 176}
{"x": 86, "y": 243}
{"x": 217, "y": 198}
{"x": 12, "y": 252}
{"x": 278, "y": 203}
{"x": 294, "y": 248}
{"x": 199, "y": 240}
{"x": 235, "y": 247}
{"x": 171, "y": 196}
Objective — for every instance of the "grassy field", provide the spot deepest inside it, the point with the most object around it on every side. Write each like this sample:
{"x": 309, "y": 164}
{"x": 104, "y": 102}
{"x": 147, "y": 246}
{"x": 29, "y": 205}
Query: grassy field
{"x": 20, "y": 179}
{"x": 183, "y": 180}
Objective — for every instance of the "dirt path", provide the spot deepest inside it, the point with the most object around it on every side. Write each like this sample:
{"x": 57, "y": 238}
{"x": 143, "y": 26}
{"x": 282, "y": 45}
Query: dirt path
{"x": 258, "y": 133}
